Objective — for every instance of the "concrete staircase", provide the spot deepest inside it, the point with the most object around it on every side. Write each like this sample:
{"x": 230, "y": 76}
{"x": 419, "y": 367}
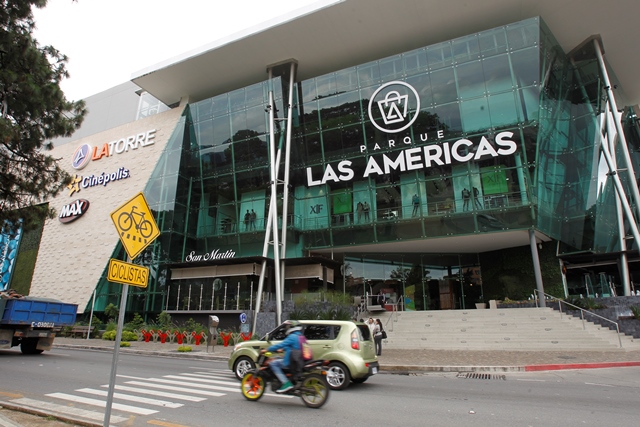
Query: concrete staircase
{"x": 514, "y": 329}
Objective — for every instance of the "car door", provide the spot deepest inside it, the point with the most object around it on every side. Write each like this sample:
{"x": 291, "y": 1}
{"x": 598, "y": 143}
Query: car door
{"x": 321, "y": 338}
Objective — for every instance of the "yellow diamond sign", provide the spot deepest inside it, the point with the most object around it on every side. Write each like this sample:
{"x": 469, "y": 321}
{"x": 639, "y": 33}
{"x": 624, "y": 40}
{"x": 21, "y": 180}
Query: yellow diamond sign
{"x": 135, "y": 224}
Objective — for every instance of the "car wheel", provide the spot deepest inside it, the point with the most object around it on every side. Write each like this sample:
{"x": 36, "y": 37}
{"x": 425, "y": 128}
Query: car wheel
{"x": 359, "y": 380}
{"x": 242, "y": 366}
{"x": 338, "y": 376}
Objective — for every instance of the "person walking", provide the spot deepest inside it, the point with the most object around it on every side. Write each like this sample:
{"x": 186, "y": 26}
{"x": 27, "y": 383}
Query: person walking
{"x": 377, "y": 337}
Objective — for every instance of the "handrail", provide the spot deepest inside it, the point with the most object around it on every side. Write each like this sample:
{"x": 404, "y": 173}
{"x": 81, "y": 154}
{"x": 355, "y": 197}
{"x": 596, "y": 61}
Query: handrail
{"x": 582, "y": 311}
{"x": 394, "y": 310}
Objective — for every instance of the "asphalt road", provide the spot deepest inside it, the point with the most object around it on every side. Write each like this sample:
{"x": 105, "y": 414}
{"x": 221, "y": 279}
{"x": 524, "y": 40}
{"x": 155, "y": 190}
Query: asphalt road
{"x": 201, "y": 393}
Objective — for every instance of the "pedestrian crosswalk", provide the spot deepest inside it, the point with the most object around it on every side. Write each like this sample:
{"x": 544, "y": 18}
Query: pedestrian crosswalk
{"x": 140, "y": 396}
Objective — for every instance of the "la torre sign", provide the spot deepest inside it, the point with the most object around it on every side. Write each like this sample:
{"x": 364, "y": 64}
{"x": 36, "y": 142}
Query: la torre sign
{"x": 207, "y": 256}
{"x": 393, "y": 108}
{"x": 86, "y": 153}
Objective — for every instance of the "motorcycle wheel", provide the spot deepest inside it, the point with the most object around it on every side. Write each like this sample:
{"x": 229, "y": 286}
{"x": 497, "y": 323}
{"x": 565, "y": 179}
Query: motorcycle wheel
{"x": 314, "y": 391}
{"x": 252, "y": 386}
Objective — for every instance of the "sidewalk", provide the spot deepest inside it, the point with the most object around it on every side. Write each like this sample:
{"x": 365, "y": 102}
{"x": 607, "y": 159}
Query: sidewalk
{"x": 403, "y": 361}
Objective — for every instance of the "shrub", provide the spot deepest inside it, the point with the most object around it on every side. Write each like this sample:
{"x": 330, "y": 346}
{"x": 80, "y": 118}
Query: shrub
{"x": 137, "y": 323}
{"x": 184, "y": 348}
{"x": 126, "y": 336}
{"x": 192, "y": 325}
{"x": 111, "y": 311}
{"x": 125, "y": 344}
{"x": 636, "y": 311}
{"x": 584, "y": 303}
{"x": 163, "y": 321}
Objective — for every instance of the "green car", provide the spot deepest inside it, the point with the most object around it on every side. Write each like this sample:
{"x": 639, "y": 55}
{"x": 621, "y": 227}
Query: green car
{"x": 348, "y": 345}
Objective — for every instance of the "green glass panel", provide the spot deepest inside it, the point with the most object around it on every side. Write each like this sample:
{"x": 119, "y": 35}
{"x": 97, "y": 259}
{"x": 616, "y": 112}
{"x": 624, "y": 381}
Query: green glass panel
{"x": 470, "y": 80}
{"x": 493, "y": 42}
{"x": 443, "y": 86}
{"x": 415, "y": 61}
{"x": 497, "y": 73}
{"x": 503, "y": 110}
{"x": 466, "y": 49}
{"x": 439, "y": 55}
{"x": 475, "y": 115}
{"x": 523, "y": 34}
{"x": 526, "y": 67}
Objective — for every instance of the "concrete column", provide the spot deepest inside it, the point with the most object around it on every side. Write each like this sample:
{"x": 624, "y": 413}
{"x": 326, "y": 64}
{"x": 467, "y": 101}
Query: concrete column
{"x": 536, "y": 267}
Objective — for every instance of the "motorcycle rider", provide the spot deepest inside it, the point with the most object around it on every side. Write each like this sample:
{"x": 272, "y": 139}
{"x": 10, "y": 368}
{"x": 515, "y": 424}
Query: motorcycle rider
{"x": 290, "y": 344}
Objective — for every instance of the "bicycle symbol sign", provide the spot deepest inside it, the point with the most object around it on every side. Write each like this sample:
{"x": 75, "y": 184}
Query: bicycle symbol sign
{"x": 135, "y": 224}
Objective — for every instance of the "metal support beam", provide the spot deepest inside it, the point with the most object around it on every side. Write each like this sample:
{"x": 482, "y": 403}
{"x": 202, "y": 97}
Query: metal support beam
{"x": 536, "y": 267}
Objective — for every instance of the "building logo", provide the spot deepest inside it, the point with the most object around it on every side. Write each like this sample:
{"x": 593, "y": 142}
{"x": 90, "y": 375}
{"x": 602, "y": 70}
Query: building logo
{"x": 73, "y": 211}
{"x": 214, "y": 254}
{"x": 85, "y": 153}
{"x": 81, "y": 156}
{"x": 78, "y": 182}
{"x": 394, "y": 107}
{"x": 74, "y": 186}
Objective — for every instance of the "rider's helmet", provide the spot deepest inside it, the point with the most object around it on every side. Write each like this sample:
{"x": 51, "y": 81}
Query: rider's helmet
{"x": 292, "y": 326}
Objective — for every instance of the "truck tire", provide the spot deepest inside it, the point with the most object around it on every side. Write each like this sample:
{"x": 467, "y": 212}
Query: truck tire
{"x": 28, "y": 346}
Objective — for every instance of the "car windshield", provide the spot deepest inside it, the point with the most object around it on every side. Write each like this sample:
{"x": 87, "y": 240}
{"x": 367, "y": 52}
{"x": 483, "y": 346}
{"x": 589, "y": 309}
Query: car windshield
{"x": 278, "y": 334}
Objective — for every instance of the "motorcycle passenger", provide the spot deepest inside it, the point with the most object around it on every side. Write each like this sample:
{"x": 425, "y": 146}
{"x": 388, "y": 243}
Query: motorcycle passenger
{"x": 290, "y": 344}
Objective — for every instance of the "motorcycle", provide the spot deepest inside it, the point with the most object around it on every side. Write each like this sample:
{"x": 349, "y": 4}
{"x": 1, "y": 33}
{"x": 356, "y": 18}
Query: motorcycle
{"x": 310, "y": 383}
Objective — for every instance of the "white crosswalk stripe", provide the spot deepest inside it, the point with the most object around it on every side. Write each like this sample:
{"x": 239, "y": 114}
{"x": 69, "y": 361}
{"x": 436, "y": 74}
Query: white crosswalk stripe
{"x": 137, "y": 399}
{"x": 207, "y": 375}
{"x": 181, "y": 389}
{"x": 164, "y": 392}
{"x": 204, "y": 380}
{"x": 235, "y": 389}
{"x": 102, "y": 403}
{"x": 157, "y": 393}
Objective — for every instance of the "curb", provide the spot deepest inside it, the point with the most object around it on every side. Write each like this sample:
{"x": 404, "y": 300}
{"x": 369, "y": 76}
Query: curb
{"x": 44, "y": 413}
{"x": 559, "y": 367}
{"x": 124, "y": 350}
{"x": 408, "y": 369}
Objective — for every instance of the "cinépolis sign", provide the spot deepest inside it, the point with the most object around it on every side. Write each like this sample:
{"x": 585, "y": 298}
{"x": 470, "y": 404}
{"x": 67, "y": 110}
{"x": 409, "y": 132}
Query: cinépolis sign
{"x": 393, "y": 108}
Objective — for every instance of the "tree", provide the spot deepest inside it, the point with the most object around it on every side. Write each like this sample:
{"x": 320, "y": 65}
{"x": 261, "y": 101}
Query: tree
{"x": 33, "y": 111}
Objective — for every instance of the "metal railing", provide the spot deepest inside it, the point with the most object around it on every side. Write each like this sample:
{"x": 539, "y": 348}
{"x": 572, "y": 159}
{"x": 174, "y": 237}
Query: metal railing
{"x": 394, "y": 311}
{"x": 582, "y": 311}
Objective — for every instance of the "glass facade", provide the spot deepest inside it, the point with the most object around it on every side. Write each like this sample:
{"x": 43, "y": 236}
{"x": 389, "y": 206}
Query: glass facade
{"x": 486, "y": 133}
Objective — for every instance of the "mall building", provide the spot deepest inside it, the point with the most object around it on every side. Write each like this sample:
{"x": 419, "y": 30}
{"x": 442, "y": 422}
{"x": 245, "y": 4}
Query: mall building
{"x": 447, "y": 153}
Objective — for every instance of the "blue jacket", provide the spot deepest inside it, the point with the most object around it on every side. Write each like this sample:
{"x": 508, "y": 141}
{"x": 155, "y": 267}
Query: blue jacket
{"x": 291, "y": 342}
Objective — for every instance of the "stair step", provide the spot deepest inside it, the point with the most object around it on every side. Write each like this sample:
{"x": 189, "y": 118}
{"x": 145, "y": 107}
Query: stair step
{"x": 514, "y": 329}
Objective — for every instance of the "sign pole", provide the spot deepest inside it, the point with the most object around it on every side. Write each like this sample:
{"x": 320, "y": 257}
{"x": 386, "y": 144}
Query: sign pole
{"x": 116, "y": 352}
{"x": 136, "y": 229}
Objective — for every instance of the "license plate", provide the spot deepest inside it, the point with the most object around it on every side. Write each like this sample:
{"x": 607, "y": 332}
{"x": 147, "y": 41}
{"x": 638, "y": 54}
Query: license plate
{"x": 374, "y": 371}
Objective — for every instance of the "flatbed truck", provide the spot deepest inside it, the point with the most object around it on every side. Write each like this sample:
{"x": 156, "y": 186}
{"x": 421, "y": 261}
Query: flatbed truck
{"x": 32, "y": 322}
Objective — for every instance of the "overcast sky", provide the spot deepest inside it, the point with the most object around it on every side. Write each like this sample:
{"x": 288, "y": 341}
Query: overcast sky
{"x": 108, "y": 40}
